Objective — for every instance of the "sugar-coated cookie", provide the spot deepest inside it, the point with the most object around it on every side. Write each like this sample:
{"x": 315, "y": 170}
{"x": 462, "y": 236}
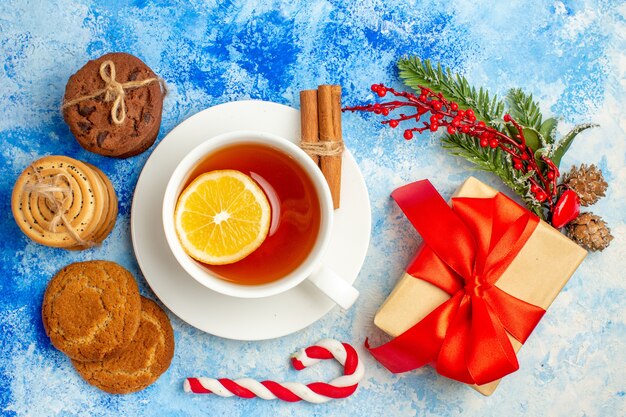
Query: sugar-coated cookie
{"x": 144, "y": 360}
{"x": 91, "y": 310}
{"x": 90, "y": 119}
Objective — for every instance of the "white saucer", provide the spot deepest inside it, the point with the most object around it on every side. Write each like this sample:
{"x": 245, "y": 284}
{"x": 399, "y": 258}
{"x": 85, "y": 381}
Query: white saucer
{"x": 221, "y": 315}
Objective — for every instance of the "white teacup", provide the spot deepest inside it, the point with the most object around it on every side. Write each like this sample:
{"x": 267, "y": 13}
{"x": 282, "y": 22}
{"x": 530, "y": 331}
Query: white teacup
{"x": 312, "y": 268}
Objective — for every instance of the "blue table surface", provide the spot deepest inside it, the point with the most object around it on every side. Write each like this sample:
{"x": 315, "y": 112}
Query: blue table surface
{"x": 569, "y": 55}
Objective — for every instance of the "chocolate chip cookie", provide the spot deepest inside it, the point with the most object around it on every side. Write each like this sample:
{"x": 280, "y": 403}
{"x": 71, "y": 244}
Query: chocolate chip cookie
{"x": 113, "y": 105}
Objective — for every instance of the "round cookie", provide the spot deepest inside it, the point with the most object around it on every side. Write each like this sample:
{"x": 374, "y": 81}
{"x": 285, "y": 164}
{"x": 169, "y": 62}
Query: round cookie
{"x": 146, "y": 358}
{"x": 70, "y": 185}
{"x": 90, "y": 120}
{"x": 91, "y": 310}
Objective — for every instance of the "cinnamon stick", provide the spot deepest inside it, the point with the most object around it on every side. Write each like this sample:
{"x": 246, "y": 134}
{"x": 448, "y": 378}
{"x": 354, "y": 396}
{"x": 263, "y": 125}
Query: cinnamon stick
{"x": 308, "y": 119}
{"x": 329, "y": 109}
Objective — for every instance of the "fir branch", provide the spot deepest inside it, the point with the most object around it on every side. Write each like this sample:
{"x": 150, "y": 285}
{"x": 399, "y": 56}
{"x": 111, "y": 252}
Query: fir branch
{"x": 524, "y": 109}
{"x": 495, "y": 161}
{"x": 418, "y": 73}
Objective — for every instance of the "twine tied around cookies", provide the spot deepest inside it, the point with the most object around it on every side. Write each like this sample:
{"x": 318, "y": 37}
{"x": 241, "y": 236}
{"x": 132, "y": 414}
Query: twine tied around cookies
{"x": 326, "y": 148}
{"x": 56, "y": 192}
{"x": 114, "y": 91}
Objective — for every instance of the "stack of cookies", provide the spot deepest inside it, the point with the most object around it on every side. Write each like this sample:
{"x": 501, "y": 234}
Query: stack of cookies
{"x": 118, "y": 340}
{"x": 61, "y": 202}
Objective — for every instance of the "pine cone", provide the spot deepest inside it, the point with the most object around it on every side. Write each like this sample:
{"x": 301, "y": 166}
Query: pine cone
{"x": 587, "y": 182}
{"x": 590, "y": 232}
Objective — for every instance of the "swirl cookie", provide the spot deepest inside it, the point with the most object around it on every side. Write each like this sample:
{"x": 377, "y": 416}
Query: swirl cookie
{"x": 91, "y": 310}
{"x": 144, "y": 360}
{"x": 113, "y": 105}
{"x": 62, "y": 202}
{"x": 55, "y": 202}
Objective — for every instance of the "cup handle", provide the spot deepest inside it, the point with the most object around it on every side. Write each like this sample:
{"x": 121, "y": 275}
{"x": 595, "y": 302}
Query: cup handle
{"x": 334, "y": 287}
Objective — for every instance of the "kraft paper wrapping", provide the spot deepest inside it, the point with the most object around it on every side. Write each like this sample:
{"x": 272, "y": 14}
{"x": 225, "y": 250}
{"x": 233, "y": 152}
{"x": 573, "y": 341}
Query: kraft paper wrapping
{"x": 536, "y": 275}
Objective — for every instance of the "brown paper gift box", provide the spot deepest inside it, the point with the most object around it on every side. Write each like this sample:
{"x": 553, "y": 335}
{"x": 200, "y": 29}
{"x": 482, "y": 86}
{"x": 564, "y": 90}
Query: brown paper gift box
{"x": 536, "y": 275}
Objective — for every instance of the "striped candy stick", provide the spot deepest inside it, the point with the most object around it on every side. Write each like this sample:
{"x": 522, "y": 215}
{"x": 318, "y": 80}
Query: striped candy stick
{"x": 316, "y": 392}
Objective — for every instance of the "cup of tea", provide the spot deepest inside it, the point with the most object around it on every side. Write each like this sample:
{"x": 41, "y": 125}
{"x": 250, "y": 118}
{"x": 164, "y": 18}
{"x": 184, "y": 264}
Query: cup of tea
{"x": 300, "y": 226}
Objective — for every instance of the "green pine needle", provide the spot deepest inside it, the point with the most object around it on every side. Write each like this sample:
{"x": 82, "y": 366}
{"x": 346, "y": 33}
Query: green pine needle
{"x": 416, "y": 72}
{"x": 524, "y": 109}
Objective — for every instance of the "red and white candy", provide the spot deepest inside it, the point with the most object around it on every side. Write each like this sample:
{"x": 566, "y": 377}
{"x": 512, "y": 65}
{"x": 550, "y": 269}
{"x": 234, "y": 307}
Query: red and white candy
{"x": 316, "y": 392}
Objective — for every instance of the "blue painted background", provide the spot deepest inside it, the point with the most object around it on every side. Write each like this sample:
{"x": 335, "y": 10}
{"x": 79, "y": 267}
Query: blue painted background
{"x": 568, "y": 54}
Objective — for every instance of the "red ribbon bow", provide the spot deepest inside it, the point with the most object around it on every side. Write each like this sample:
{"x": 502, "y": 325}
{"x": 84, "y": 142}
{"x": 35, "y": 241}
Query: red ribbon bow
{"x": 466, "y": 249}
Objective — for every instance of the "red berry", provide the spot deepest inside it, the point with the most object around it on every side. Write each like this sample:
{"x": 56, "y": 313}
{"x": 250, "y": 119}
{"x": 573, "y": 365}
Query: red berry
{"x": 381, "y": 92}
{"x": 507, "y": 117}
{"x": 541, "y": 196}
{"x": 422, "y": 97}
{"x": 465, "y": 128}
{"x": 484, "y": 135}
{"x": 481, "y": 124}
{"x": 377, "y": 110}
{"x": 408, "y": 134}
{"x": 454, "y": 106}
{"x": 385, "y": 111}
{"x": 534, "y": 188}
{"x": 433, "y": 127}
{"x": 434, "y": 118}
{"x": 376, "y": 105}
{"x": 469, "y": 113}
{"x": 451, "y": 129}
{"x": 493, "y": 143}
{"x": 472, "y": 119}
{"x": 484, "y": 143}
{"x": 456, "y": 122}
{"x": 524, "y": 157}
{"x": 461, "y": 114}
{"x": 550, "y": 175}
{"x": 436, "y": 104}
{"x": 393, "y": 123}
{"x": 424, "y": 92}
{"x": 518, "y": 166}
{"x": 440, "y": 116}
{"x": 374, "y": 87}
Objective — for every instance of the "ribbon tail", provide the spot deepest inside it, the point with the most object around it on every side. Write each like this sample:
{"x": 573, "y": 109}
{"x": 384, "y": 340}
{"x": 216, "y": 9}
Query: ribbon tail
{"x": 488, "y": 335}
{"x": 420, "y": 344}
{"x": 451, "y": 358}
{"x": 476, "y": 349}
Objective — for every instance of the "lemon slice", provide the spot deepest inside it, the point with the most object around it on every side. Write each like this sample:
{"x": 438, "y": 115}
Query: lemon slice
{"x": 222, "y": 217}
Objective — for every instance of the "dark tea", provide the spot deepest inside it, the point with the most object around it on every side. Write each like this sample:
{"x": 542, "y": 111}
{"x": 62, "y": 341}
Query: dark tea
{"x": 295, "y": 208}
